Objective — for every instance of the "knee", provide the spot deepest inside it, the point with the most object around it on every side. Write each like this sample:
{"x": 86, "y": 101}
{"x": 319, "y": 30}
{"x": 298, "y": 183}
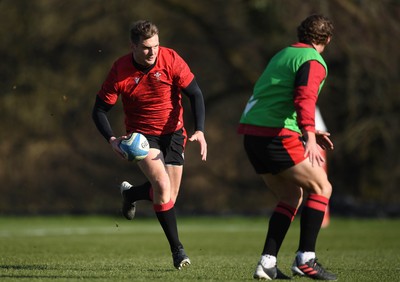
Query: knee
{"x": 294, "y": 199}
{"x": 161, "y": 189}
{"x": 323, "y": 189}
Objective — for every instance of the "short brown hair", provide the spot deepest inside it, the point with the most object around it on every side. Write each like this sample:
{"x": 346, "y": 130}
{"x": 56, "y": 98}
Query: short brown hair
{"x": 142, "y": 29}
{"x": 315, "y": 29}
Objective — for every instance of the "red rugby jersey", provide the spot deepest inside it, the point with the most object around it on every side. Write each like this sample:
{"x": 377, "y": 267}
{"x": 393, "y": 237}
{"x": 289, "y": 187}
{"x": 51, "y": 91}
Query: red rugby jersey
{"x": 152, "y": 101}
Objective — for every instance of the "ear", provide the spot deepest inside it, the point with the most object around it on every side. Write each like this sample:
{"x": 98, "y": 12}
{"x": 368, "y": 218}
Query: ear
{"x": 328, "y": 40}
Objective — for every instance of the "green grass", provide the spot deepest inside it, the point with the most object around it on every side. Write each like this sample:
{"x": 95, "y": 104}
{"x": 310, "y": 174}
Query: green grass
{"x": 221, "y": 249}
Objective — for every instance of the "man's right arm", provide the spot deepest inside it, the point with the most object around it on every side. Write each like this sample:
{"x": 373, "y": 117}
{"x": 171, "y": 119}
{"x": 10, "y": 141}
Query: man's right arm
{"x": 99, "y": 115}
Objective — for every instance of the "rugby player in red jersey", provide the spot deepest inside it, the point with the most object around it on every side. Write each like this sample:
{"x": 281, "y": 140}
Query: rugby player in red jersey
{"x": 283, "y": 146}
{"x": 149, "y": 81}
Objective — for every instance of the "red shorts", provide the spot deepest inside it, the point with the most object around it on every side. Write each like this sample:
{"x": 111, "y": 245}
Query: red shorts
{"x": 273, "y": 154}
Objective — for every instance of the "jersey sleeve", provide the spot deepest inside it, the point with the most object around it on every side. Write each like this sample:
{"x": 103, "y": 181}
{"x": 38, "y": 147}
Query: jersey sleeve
{"x": 307, "y": 83}
{"x": 99, "y": 116}
{"x": 182, "y": 74}
{"x": 109, "y": 89}
{"x": 195, "y": 95}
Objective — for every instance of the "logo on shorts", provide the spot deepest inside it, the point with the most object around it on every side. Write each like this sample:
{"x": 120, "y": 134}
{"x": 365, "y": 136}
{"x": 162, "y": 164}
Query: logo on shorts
{"x": 137, "y": 79}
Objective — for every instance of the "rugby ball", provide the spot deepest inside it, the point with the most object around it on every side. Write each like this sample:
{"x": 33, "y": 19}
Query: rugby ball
{"x": 135, "y": 147}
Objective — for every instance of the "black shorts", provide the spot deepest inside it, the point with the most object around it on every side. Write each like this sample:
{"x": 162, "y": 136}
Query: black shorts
{"x": 171, "y": 145}
{"x": 274, "y": 154}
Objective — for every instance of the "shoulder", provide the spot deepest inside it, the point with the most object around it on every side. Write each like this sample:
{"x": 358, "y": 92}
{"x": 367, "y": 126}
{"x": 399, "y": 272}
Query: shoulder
{"x": 305, "y": 52}
{"x": 302, "y": 48}
{"x": 125, "y": 59}
{"x": 169, "y": 58}
{"x": 168, "y": 53}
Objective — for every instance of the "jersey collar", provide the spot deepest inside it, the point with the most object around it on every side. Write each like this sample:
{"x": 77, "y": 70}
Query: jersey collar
{"x": 302, "y": 45}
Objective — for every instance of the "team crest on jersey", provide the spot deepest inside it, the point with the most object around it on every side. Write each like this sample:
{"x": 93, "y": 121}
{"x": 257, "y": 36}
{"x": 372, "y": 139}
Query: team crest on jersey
{"x": 157, "y": 75}
{"x": 137, "y": 79}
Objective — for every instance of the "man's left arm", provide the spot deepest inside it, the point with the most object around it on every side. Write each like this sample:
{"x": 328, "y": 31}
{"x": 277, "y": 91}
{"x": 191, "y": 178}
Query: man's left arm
{"x": 193, "y": 92}
{"x": 307, "y": 83}
{"x": 308, "y": 80}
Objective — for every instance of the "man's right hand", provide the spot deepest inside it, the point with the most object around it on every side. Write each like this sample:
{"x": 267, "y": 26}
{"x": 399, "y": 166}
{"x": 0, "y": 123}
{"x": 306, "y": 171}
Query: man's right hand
{"x": 114, "y": 142}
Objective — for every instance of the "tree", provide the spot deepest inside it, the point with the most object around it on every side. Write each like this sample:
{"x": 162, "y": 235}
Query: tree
{"x": 56, "y": 54}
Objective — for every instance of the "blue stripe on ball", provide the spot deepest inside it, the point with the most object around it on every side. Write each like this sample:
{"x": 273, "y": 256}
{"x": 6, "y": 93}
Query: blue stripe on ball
{"x": 135, "y": 147}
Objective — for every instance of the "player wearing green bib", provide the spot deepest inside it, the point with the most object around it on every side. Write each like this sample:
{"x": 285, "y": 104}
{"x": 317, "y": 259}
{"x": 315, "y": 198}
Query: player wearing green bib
{"x": 280, "y": 139}
{"x": 272, "y": 102}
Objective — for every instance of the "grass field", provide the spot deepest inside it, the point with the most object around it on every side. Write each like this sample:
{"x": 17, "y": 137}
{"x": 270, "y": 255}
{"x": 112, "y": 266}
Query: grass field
{"x": 221, "y": 249}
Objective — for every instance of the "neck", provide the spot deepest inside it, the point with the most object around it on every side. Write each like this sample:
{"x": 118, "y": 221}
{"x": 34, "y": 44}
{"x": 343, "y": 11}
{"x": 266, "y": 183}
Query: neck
{"x": 140, "y": 67}
{"x": 319, "y": 47}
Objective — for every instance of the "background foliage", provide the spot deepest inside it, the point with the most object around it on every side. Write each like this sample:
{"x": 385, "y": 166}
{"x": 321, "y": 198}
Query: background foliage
{"x": 56, "y": 53}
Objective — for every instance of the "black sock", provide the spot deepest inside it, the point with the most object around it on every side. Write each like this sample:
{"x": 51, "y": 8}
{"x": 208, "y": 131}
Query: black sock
{"x": 279, "y": 224}
{"x": 312, "y": 216}
{"x": 141, "y": 192}
{"x": 168, "y": 223}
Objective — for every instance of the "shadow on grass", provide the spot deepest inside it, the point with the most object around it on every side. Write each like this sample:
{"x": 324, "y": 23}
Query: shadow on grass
{"x": 24, "y": 267}
{"x": 40, "y": 268}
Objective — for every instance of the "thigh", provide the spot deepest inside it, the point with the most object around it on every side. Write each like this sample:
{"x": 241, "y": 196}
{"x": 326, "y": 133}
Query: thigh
{"x": 174, "y": 160}
{"x": 274, "y": 154}
{"x": 171, "y": 146}
{"x": 284, "y": 190}
{"x": 313, "y": 179}
{"x": 153, "y": 168}
{"x": 175, "y": 176}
